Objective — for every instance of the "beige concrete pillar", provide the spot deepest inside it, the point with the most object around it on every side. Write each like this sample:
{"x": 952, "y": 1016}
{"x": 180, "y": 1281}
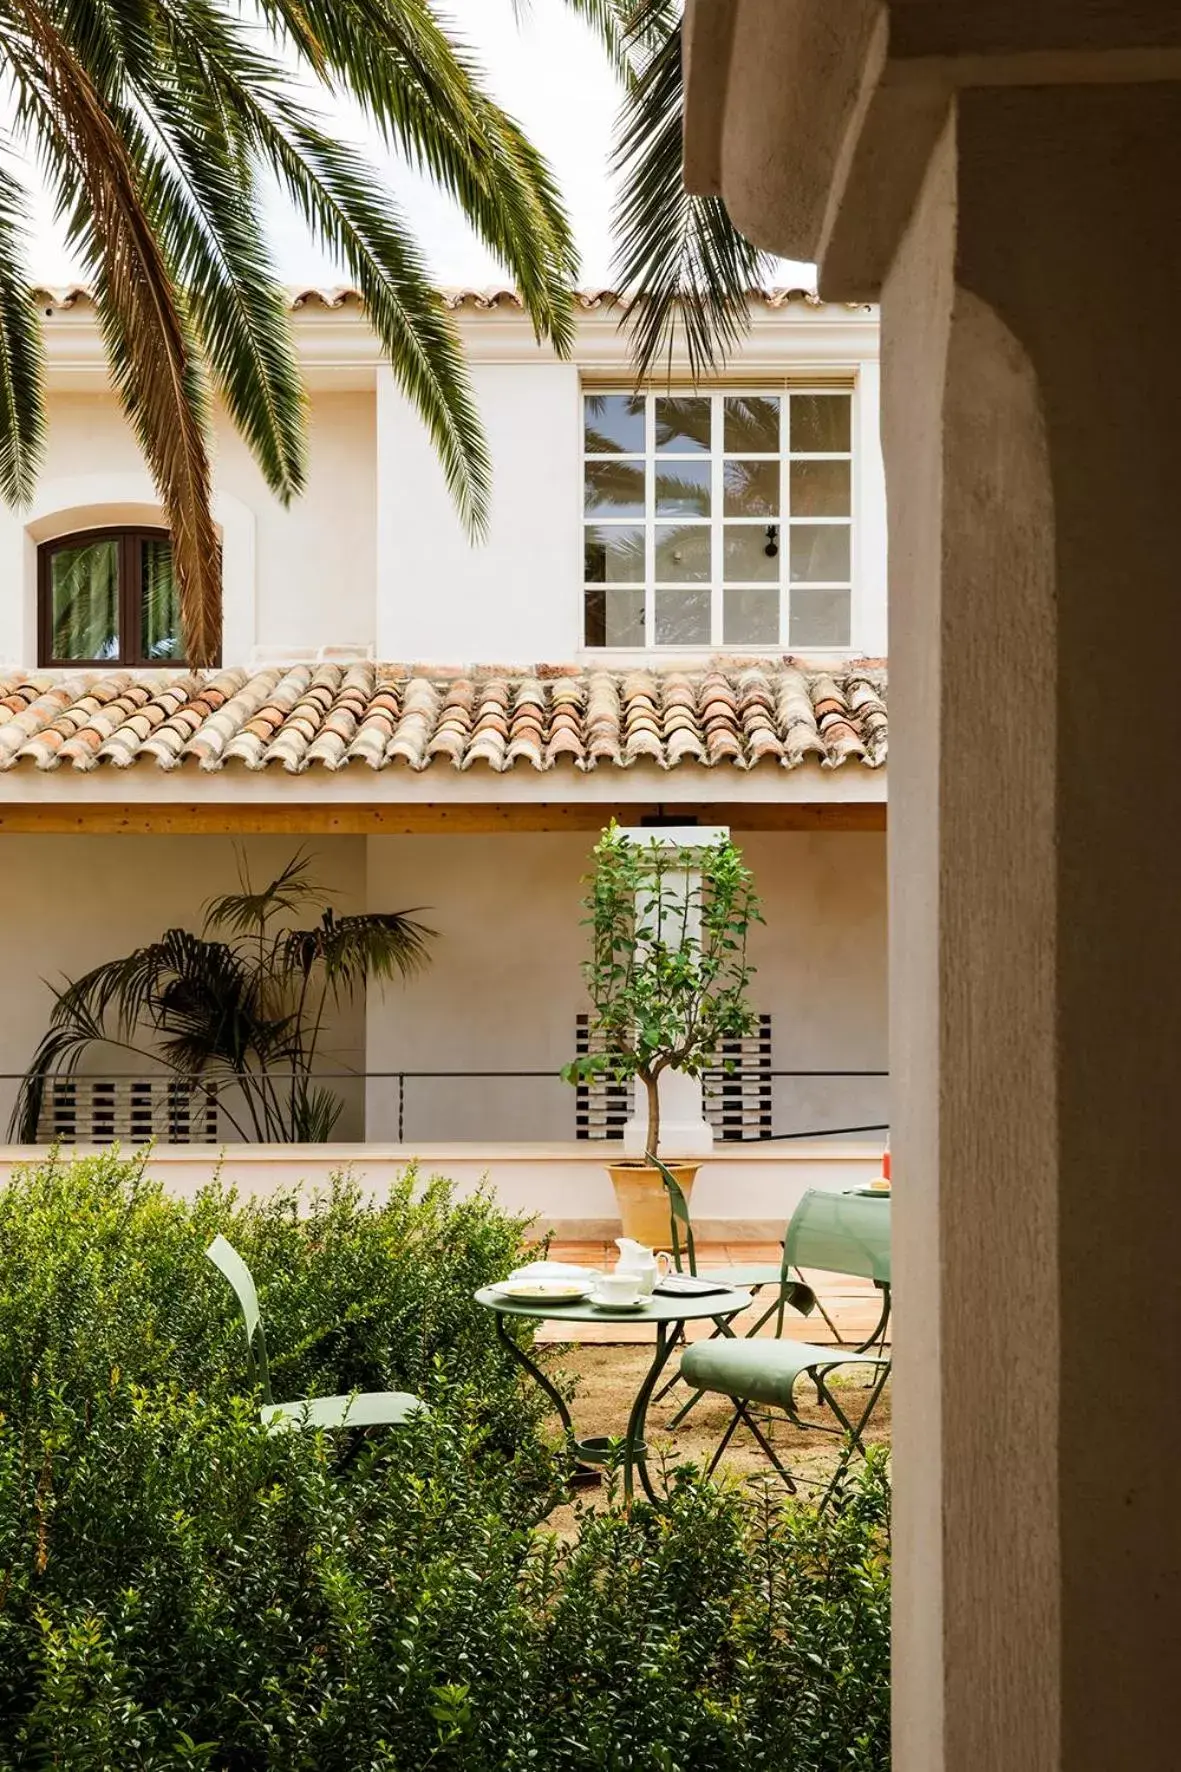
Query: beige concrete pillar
{"x": 1008, "y": 177}
{"x": 1032, "y": 399}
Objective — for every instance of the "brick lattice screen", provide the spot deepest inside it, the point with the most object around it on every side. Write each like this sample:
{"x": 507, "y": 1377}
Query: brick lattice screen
{"x": 737, "y": 1095}
{"x": 125, "y": 1110}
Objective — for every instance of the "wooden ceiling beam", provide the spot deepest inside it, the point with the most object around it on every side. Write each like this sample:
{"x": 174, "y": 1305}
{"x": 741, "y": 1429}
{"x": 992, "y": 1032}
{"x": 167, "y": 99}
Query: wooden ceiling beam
{"x": 195, "y": 819}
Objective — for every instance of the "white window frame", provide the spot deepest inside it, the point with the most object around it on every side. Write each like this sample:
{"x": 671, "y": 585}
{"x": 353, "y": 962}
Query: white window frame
{"x": 782, "y": 390}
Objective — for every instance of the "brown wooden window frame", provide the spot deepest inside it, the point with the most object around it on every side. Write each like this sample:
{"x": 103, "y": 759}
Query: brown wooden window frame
{"x": 131, "y": 649}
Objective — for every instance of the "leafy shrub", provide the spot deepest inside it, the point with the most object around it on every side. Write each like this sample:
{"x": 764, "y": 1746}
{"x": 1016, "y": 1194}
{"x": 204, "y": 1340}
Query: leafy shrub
{"x": 177, "y": 1586}
{"x": 716, "y": 1633}
{"x": 181, "y": 1589}
{"x": 178, "y": 1589}
{"x": 101, "y": 1271}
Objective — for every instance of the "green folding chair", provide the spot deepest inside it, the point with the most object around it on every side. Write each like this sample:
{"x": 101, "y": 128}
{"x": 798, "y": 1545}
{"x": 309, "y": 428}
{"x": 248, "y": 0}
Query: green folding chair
{"x": 749, "y": 1276}
{"x": 363, "y": 1409}
{"x": 836, "y": 1233}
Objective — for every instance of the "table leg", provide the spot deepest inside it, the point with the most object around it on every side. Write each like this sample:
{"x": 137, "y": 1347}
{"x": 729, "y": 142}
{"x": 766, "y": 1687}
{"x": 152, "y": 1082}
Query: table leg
{"x": 634, "y": 1459}
{"x": 539, "y": 1377}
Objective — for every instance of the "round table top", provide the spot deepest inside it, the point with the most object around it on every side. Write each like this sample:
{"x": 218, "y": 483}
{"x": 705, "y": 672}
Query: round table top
{"x": 653, "y": 1310}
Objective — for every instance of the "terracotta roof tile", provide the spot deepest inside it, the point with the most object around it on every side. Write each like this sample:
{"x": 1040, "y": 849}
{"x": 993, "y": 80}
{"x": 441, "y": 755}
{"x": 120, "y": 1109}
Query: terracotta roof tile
{"x": 65, "y": 296}
{"x": 739, "y": 714}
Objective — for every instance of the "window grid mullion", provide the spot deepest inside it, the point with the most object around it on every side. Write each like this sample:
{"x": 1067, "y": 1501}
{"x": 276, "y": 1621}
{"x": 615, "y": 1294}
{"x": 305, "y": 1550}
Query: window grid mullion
{"x": 128, "y": 640}
{"x": 717, "y": 596}
{"x": 784, "y": 393}
{"x": 784, "y": 581}
{"x": 650, "y": 520}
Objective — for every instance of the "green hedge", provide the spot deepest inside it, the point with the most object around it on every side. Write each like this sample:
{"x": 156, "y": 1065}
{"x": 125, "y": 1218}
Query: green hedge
{"x": 101, "y": 1271}
{"x": 178, "y": 1589}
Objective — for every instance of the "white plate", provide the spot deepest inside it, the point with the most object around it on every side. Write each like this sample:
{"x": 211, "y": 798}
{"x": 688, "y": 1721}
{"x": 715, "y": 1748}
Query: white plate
{"x": 556, "y": 1270}
{"x": 543, "y": 1291}
{"x": 615, "y": 1304}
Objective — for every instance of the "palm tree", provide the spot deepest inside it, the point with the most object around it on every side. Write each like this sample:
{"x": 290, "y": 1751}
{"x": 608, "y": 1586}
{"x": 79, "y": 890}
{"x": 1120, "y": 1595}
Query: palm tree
{"x": 155, "y": 122}
{"x": 242, "y": 1004}
{"x": 686, "y": 268}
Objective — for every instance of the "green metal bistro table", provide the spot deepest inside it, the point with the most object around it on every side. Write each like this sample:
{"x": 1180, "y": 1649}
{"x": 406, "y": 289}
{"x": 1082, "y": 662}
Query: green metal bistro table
{"x": 668, "y": 1314}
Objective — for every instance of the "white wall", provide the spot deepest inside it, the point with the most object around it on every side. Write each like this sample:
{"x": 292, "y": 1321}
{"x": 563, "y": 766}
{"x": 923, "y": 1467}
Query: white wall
{"x": 514, "y": 597}
{"x": 504, "y": 987}
{"x": 741, "y": 1194}
{"x": 316, "y": 558}
{"x": 68, "y": 903}
{"x": 373, "y": 553}
{"x": 821, "y": 959}
{"x": 295, "y": 578}
{"x": 501, "y": 994}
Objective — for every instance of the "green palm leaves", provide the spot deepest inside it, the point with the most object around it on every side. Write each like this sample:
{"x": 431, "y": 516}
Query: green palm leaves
{"x": 240, "y": 1007}
{"x": 154, "y": 122}
{"x": 686, "y": 268}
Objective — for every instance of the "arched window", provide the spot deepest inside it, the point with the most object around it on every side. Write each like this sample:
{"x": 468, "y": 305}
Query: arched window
{"x": 108, "y": 596}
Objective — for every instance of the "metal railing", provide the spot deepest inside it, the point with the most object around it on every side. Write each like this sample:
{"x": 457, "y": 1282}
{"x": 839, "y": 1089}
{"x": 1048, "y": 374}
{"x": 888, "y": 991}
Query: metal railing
{"x": 409, "y": 1106}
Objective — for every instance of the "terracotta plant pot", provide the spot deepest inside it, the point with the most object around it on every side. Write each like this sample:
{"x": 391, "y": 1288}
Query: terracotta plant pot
{"x": 643, "y": 1203}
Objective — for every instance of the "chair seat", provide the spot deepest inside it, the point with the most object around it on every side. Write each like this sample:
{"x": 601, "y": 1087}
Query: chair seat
{"x": 365, "y": 1409}
{"x": 797, "y": 1293}
{"x": 741, "y": 1274}
{"x": 760, "y": 1370}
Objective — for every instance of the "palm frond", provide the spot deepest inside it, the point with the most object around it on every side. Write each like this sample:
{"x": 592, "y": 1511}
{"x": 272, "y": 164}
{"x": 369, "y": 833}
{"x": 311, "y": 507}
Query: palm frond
{"x": 349, "y": 950}
{"x": 154, "y": 120}
{"x": 59, "y": 1052}
{"x": 124, "y": 994}
{"x": 423, "y": 90}
{"x": 314, "y": 1114}
{"x": 22, "y": 402}
{"x": 207, "y": 210}
{"x": 687, "y": 267}
{"x": 350, "y": 214}
{"x": 148, "y": 337}
{"x": 250, "y": 1009}
{"x": 247, "y": 910}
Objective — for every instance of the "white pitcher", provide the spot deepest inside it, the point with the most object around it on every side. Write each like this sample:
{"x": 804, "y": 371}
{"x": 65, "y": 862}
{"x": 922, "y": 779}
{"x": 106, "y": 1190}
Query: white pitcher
{"x": 637, "y": 1258}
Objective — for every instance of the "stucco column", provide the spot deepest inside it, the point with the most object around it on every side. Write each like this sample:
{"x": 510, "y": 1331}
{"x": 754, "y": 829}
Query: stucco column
{"x": 1032, "y": 388}
{"x": 1006, "y": 176}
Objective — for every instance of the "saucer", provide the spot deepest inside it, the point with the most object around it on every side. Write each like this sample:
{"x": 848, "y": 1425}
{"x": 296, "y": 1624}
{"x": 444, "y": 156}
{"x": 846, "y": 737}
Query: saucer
{"x": 614, "y": 1304}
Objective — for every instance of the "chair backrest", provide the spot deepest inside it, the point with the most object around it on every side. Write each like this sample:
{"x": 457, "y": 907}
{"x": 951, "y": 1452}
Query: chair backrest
{"x": 678, "y": 1214}
{"x": 840, "y": 1234}
{"x": 226, "y": 1259}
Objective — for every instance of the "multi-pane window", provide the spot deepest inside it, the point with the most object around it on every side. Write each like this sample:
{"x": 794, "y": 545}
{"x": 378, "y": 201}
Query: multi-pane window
{"x": 718, "y": 519}
{"x": 109, "y": 596}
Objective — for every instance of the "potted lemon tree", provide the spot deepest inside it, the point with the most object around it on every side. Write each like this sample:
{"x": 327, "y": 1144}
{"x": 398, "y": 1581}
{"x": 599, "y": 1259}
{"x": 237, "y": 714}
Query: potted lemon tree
{"x": 668, "y": 979}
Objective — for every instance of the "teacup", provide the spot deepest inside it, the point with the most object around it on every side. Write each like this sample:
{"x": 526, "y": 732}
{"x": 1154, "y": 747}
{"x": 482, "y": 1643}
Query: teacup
{"x": 619, "y": 1288}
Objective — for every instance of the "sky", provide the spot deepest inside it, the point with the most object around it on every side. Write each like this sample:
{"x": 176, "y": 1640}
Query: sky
{"x": 546, "y": 69}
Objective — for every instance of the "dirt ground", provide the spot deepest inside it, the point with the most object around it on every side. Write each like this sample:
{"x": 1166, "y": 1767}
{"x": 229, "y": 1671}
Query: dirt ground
{"x": 609, "y": 1377}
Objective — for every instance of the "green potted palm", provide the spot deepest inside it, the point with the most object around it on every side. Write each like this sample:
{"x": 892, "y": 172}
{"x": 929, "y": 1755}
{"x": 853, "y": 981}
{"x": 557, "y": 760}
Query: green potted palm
{"x": 238, "y": 1010}
{"x": 668, "y": 979}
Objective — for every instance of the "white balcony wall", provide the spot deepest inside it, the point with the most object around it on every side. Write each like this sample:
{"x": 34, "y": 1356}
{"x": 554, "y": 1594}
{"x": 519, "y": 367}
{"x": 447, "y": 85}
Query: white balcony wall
{"x": 513, "y": 597}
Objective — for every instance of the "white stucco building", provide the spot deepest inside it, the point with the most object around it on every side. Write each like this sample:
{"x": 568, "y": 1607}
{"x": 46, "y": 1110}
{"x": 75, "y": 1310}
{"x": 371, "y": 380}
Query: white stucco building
{"x": 679, "y": 613}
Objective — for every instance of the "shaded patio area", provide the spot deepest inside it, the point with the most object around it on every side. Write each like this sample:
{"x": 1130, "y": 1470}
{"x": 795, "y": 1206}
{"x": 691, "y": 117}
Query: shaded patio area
{"x": 609, "y": 1360}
